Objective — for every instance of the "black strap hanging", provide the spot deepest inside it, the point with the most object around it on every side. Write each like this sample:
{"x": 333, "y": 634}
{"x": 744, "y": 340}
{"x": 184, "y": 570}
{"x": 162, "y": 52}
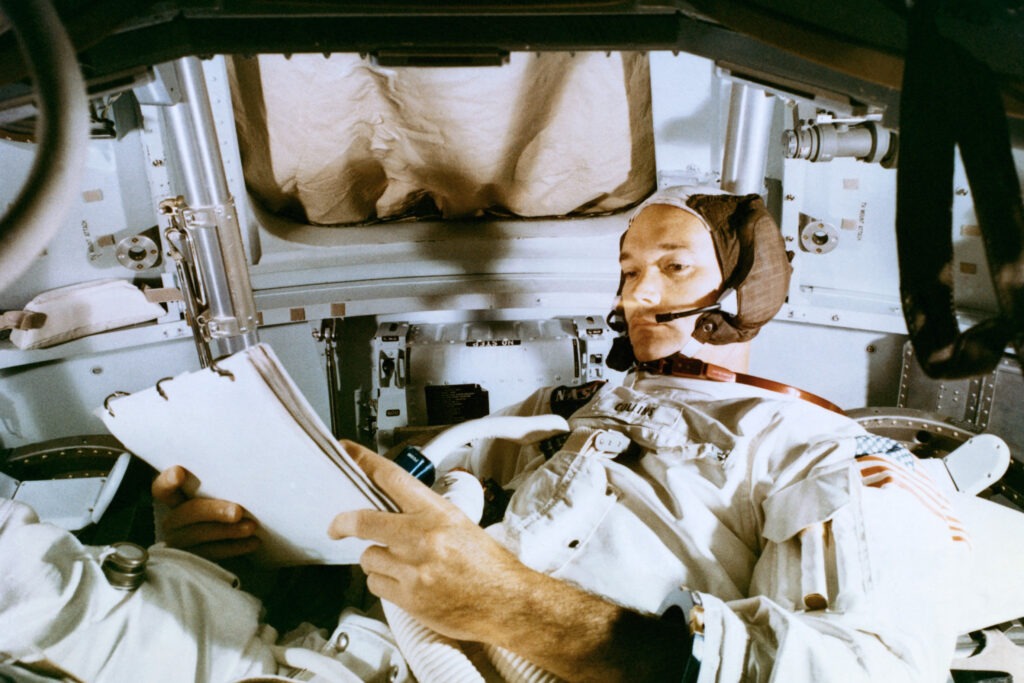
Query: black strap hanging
{"x": 951, "y": 99}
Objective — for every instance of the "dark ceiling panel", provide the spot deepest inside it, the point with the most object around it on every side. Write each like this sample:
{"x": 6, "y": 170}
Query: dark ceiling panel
{"x": 853, "y": 47}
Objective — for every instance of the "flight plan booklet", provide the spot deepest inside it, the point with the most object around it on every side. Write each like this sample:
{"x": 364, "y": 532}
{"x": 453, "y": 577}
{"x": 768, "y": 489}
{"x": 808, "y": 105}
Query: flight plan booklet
{"x": 249, "y": 436}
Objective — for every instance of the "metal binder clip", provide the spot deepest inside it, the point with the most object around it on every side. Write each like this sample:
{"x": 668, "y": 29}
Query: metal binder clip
{"x": 160, "y": 390}
{"x": 110, "y": 397}
{"x": 221, "y": 371}
{"x": 182, "y": 249}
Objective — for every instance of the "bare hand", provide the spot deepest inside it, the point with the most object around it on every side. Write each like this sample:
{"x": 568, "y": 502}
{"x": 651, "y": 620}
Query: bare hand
{"x": 432, "y": 561}
{"x": 214, "y": 529}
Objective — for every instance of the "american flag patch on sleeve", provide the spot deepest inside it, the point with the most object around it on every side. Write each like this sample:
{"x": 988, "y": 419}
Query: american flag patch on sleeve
{"x": 885, "y": 462}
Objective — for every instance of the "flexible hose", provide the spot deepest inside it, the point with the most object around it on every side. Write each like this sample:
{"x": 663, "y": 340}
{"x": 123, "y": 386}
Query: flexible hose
{"x": 433, "y": 657}
{"x": 62, "y": 133}
{"x": 430, "y": 655}
{"x": 514, "y": 668}
{"x": 513, "y": 428}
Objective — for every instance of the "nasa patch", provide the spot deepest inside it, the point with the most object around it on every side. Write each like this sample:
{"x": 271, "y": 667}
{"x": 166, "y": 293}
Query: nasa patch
{"x": 566, "y": 400}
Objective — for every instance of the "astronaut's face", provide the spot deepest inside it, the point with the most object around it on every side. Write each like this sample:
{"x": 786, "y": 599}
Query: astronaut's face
{"x": 668, "y": 264}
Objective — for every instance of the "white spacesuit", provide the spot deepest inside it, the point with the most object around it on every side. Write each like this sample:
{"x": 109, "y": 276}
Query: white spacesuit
{"x": 667, "y": 491}
{"x": 60, "y": 614}
{"x": 64, "y": 617}
{"x": 670, "y": 485}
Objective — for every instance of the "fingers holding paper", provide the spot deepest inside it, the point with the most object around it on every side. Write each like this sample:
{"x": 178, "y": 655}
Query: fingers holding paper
{"x": 214, "y": 529}
{"x": 433, "y": 561}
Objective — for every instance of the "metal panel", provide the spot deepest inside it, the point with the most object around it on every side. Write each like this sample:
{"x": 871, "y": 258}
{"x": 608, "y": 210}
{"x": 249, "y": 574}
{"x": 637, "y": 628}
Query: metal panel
{"x": 992, "y": 403}
{"x": 853, "y": 276}
{"x": 51, "y": 393}
{"x": 441, "y": 373}
{"x": 852, "y": 368}
{"x": 112, "y": 207}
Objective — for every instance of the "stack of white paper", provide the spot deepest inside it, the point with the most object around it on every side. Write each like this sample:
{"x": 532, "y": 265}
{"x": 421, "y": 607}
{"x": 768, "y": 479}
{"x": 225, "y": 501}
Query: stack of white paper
{"x": 249, "y": 436}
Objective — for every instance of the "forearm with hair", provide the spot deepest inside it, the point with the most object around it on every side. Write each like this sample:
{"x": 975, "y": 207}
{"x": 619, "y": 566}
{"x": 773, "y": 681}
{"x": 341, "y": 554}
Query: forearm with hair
{"x": 583, "y": 637}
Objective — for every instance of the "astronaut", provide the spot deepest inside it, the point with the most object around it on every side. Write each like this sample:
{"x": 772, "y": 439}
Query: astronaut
{"x": 697, "y": 523}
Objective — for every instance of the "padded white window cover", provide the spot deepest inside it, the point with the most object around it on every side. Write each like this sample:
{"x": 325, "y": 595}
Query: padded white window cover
{"x": 339, "y": 140}
{"x": 85, "y": 308}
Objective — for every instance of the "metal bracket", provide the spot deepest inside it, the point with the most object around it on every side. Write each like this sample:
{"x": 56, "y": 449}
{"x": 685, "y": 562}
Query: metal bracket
{"x": 327, "y": 334}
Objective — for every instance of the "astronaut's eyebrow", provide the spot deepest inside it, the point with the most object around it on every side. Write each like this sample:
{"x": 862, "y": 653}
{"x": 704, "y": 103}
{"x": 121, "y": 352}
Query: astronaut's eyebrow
{"x": 663, "y": 247}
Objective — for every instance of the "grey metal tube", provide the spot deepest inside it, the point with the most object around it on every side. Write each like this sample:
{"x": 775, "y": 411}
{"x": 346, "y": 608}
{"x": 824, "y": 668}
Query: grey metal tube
{"x": 220, "y": 255}
{"x": 187, "y": 153}
{"x": 218, "y": 292}
{"x": 197, "y": 99}
{"x": 53, "y": 183}
{"x": 746, "y": 140}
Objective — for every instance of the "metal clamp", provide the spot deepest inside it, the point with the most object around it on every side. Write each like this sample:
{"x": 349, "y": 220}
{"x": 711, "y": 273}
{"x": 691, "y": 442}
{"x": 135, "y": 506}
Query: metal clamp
{"x": 160, "y": 390}
{"x": 221, "y": 371}
{"x": 182, "y": 249}
{"x": 110, "y": 397}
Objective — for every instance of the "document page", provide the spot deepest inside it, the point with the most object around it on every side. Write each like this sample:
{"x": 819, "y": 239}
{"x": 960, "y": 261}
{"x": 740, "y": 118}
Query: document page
{"x": 249, "y": 436}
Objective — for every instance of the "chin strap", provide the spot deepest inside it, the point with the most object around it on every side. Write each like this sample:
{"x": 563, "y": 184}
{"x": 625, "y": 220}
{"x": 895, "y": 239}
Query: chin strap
{"x": 679, "y": 365}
